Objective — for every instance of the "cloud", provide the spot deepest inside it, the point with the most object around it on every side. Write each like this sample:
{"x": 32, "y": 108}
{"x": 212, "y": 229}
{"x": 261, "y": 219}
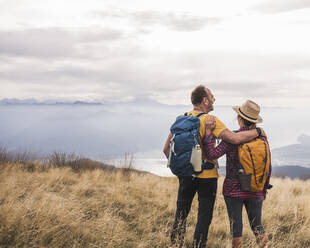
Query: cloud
{"x": 183, "y": 22}
{"x": 229, "y": 75}
{"x": 188, "y": 23}
{"x": 52, "y": 42}
{"x": 276, "y": 6}
{"x": 107, "y": 63}
{"x": 109, "y": 56}
{"x": 105, "y": 35}
{"x": 304, "y": 139}
{"x": 37, "y": 42}
{"x": 177, "y": 22}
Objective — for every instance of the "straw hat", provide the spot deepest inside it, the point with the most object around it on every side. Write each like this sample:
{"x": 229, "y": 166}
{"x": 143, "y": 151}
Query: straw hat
{"x": 249, "y": 111}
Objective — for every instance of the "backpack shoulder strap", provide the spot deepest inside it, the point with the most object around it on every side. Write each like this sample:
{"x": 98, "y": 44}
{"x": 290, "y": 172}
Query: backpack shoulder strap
{"x": 201, "y": 114}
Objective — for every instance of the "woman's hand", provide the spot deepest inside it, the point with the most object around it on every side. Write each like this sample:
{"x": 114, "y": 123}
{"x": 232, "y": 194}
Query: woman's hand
{"x": 210, "y": 124}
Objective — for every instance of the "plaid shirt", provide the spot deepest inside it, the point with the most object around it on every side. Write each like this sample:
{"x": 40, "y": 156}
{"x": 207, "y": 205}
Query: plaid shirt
{"x": 231, "y": 187}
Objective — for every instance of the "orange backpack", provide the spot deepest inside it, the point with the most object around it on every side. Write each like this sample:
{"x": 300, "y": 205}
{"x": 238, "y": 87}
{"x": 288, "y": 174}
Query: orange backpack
{"x": 254, "y": 157}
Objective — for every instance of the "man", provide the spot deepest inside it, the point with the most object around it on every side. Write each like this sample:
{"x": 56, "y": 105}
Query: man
{"x": 205, "y": 184}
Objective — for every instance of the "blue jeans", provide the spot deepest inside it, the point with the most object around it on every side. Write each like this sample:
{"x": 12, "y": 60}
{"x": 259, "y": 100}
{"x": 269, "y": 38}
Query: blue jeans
{"x": 254, "y": 211}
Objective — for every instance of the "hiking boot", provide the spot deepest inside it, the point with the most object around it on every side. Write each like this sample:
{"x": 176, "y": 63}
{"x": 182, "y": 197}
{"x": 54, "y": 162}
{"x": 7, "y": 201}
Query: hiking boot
{"x": 237, "y": 242}
{"x": 263, "y": 241}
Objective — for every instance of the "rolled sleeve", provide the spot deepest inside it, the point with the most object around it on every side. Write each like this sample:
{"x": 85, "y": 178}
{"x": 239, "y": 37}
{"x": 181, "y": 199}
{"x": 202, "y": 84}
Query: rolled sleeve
{"x": 212, "y": 152}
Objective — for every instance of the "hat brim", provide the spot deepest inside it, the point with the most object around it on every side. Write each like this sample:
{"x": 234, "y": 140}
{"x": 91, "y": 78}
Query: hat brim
{"x": 237, "y": 109}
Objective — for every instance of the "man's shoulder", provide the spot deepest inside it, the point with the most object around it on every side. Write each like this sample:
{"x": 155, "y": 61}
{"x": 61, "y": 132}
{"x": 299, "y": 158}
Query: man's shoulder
{"x": 206, "y": 115}
{"x": 203, "y": 115}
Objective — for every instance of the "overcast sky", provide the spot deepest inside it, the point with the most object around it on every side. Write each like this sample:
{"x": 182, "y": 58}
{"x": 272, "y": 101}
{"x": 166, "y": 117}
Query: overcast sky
{"x": 110, "y": 50}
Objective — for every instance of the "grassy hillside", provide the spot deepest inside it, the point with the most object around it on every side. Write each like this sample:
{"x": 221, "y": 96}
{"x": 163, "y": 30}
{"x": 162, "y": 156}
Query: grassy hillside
{"x": 59, "y": 207}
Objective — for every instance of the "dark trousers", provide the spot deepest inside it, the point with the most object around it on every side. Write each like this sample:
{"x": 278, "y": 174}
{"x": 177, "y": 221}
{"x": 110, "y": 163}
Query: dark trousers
{"x": 206, "y": 189}
{"x": 254, "y": 211}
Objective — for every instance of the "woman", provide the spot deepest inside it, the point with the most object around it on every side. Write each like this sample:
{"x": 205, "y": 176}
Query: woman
{"x": 235, "y": 198}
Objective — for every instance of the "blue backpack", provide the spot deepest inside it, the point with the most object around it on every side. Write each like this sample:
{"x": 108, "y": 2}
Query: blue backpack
{"x": 185, "y": 136}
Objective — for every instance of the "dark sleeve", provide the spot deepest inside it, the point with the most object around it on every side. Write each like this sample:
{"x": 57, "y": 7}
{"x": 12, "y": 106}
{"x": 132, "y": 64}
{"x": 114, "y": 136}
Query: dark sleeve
{"x": 212, "y": 152}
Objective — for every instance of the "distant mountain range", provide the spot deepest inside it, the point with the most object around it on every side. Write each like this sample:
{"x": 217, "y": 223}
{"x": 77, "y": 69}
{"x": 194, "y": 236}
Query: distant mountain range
{"x": 32, "y": 101}
{"x": 135, "y": 103}
{"x": 290, "y": 171}
{"x": 295, "y": 154}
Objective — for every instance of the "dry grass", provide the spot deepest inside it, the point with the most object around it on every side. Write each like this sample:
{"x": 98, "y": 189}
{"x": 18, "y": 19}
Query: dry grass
{"x": 17, "y": 156}
{"x": 58, "y": 207}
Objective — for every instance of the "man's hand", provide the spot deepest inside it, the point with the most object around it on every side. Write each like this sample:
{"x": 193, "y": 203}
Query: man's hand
{"x": 210, "y": 124}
